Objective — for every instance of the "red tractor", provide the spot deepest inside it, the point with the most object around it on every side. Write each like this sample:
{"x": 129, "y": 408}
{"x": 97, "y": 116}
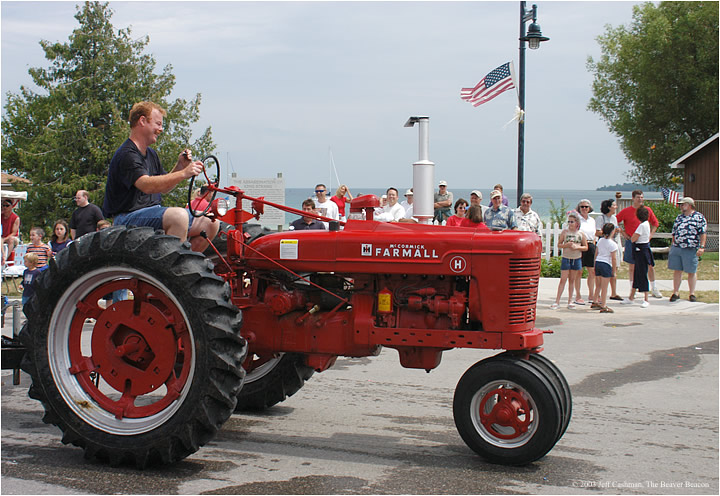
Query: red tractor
{"x": 151, "y": 376}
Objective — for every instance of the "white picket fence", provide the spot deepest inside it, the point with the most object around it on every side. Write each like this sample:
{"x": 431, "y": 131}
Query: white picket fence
{"x": 550, "y": 237}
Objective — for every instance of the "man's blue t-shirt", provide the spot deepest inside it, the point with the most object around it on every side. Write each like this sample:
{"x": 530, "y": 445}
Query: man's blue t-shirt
{"x": 127, "y": 166}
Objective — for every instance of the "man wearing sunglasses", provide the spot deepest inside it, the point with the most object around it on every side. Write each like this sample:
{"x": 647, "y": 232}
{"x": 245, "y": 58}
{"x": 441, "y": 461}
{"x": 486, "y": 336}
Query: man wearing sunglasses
{"x": 527, "y": 219}
{"x": 136, "y": 181}
{"x": 325, "y": 206}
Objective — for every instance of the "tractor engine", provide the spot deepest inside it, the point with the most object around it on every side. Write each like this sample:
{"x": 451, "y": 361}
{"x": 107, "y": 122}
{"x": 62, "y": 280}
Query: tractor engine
{"x": 419, "y": 289}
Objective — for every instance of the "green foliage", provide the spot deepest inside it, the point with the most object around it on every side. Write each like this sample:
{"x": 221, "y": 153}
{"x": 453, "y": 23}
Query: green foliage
{"x": 656, "y": 84}
{"x": 550, "y": 268}
{"x": 666, "y": 214}
{"x": 559, "y": 214}
{"x": 62, "y": 139}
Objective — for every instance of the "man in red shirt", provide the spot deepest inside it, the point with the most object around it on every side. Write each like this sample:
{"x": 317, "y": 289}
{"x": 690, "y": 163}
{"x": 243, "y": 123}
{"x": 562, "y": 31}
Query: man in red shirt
{"x": 628, "y": 218}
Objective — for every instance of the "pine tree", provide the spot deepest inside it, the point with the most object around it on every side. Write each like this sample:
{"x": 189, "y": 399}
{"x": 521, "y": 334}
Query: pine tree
{"x": 62, "y": 138}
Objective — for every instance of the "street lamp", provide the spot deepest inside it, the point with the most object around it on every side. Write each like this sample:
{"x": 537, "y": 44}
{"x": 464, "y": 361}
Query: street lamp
{"x": 533, "y": 37}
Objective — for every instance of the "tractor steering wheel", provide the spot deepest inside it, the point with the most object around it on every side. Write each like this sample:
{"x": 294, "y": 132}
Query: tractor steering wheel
{"x": 208, "y": 163}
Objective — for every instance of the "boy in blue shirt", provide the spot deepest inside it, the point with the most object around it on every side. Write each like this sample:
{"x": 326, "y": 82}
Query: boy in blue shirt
{"x": 31, "y": 272}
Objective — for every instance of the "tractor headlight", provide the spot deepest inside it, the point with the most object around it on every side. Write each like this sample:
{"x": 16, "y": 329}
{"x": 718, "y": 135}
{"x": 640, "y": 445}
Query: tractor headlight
{"x": 220, "y": 207}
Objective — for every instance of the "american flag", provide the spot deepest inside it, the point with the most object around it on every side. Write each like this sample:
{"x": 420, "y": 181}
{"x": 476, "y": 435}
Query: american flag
{"x": 670, "y": 195}
{"x": 496, "y": 81}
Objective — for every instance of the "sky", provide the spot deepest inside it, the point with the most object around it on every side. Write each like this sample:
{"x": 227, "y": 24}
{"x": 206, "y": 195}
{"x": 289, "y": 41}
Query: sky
{"x": 289, "y": 86}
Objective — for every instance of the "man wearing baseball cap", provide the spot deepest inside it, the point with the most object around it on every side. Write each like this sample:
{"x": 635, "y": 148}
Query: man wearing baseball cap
{"x": 443, "y": 203}
{"x": 499, "y": 217}
{"x": 689, "y": 234}
{"x": 476, "y": 199}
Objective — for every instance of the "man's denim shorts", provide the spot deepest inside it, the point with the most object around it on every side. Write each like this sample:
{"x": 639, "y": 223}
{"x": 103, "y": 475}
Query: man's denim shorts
{"x": 148, "y": 216}
{"x": 570, "y": 264}
{"x": 628, "y": 253}
{"x": 684, "y": 259}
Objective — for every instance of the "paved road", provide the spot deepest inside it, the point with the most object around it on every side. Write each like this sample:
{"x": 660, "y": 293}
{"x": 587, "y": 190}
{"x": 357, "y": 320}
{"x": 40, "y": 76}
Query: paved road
{"x": 645, "y": 421}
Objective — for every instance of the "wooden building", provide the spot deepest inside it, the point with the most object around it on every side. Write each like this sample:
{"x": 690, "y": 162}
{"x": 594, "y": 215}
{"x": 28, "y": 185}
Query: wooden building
{"x": 700, "y": 166}
{"x": 701, "y": 170}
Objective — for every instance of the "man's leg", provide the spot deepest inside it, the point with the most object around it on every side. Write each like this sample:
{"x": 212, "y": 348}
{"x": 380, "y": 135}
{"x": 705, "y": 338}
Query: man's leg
{"x": 629, "y": 259}
{"x": 651, "y": 277}
{"x": 692, "y": 281}
{"x": 677, "y": 280}
{"x": 175, "y": 222}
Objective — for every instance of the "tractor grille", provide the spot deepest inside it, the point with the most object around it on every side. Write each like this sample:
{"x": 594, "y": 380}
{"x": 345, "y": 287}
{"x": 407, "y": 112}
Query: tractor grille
{"x": 523, "y": 289}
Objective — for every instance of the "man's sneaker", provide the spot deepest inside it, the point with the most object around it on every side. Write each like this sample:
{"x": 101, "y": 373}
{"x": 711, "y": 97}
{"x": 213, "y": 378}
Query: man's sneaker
{"x": 674, "y": 297}
{"x": 645, "y": 304}
{"x": 692, "y": 298}
{"x": 627, "y": 301}
{"x": 656, "y": 293}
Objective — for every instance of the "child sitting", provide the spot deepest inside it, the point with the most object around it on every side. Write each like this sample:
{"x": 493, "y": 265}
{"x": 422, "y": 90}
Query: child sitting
{"x": 573, "y": 242}
{"x": 31, "y": 271}
{"x": 605, "y": 266}
{"x": 43, "y": 251}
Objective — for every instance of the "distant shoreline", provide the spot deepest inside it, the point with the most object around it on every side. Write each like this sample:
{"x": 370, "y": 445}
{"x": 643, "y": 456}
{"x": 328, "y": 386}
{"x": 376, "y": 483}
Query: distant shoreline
{"x": 628, "y": 187}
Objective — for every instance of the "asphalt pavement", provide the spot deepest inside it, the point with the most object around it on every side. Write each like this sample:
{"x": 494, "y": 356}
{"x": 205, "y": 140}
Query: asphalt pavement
{"x": 645, "y": 421}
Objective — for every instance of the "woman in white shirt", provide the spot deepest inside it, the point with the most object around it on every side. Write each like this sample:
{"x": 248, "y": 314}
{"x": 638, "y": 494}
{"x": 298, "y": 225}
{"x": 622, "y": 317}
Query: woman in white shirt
{"x": 642, "y": 255}
{"x": 587, "y": 226}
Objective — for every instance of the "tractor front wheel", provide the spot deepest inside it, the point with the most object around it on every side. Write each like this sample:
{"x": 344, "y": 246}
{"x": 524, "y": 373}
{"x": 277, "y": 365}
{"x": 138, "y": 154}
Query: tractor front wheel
{"x": 144, "y": 380}
{"x": 507, "y": 411}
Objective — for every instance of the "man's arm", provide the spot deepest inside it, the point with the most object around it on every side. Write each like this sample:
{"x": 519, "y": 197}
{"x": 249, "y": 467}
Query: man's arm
{"x": 165, "y": 183}
{"x": 184, "y": 168}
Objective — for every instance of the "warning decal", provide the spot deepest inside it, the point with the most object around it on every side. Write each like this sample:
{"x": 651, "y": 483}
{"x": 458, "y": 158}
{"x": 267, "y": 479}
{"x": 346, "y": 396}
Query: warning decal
{"x": 288, "y": 249}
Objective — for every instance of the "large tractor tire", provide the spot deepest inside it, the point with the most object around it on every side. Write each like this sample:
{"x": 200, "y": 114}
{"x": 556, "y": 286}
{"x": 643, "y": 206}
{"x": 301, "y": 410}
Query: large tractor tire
{"x": 556, "y": 378}
{"x": 508, "y": 411}
{"x": 270, "y": 381}
{"x": 149, "y": 379}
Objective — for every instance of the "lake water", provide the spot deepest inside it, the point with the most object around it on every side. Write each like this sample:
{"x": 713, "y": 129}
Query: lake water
{"x": 541, "y": 197}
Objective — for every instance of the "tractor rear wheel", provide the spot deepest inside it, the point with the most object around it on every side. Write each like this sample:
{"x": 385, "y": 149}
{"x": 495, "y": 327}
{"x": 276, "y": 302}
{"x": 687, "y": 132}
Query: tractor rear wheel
{"x": 507, "y": 411}
{"x": 146, "y": 380}
{"x": 272, "y": 379}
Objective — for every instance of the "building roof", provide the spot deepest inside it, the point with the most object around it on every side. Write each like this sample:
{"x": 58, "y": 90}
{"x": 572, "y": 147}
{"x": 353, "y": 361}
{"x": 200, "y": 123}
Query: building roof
{"x": 9, "y": 179}
{"x": 680, "y": 163}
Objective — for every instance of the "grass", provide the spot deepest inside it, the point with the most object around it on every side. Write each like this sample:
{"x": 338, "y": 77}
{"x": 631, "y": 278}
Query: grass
{"x": 708, "y": 269}
{"x": 702, "y": 296}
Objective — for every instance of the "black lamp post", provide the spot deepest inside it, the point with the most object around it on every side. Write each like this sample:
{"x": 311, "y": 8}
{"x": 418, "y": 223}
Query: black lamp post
{"x": 533, "y": 38}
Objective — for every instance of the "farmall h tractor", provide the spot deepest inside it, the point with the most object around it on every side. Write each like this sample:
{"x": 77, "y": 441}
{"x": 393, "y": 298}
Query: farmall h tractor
{"x": 151, "y": 376}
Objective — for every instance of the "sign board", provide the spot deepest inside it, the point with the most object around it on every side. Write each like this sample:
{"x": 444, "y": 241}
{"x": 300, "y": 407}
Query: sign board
{"x": 273, "y": 189}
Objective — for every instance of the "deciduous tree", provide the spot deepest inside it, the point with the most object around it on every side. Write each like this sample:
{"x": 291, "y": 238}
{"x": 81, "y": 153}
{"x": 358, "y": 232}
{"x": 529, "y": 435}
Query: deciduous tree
{"x": 63, "y": 137}
{"x": 656, "y": 84}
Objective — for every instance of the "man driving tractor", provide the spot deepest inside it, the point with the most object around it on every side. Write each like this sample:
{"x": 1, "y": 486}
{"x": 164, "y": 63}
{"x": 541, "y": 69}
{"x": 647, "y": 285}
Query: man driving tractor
{"x": 136, "y": 180}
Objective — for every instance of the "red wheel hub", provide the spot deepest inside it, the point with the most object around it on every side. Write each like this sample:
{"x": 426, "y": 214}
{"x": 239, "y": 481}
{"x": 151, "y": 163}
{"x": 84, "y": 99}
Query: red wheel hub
{"x": 136, "y": 346}
{"x": 510, "y": 410}
{"x": 133, "y": 352}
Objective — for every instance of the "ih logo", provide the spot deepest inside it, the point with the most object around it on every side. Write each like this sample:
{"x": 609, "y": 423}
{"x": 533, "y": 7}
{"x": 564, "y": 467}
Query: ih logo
{"x": 367, "y": 250}
{"x": 457, "y": 264}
